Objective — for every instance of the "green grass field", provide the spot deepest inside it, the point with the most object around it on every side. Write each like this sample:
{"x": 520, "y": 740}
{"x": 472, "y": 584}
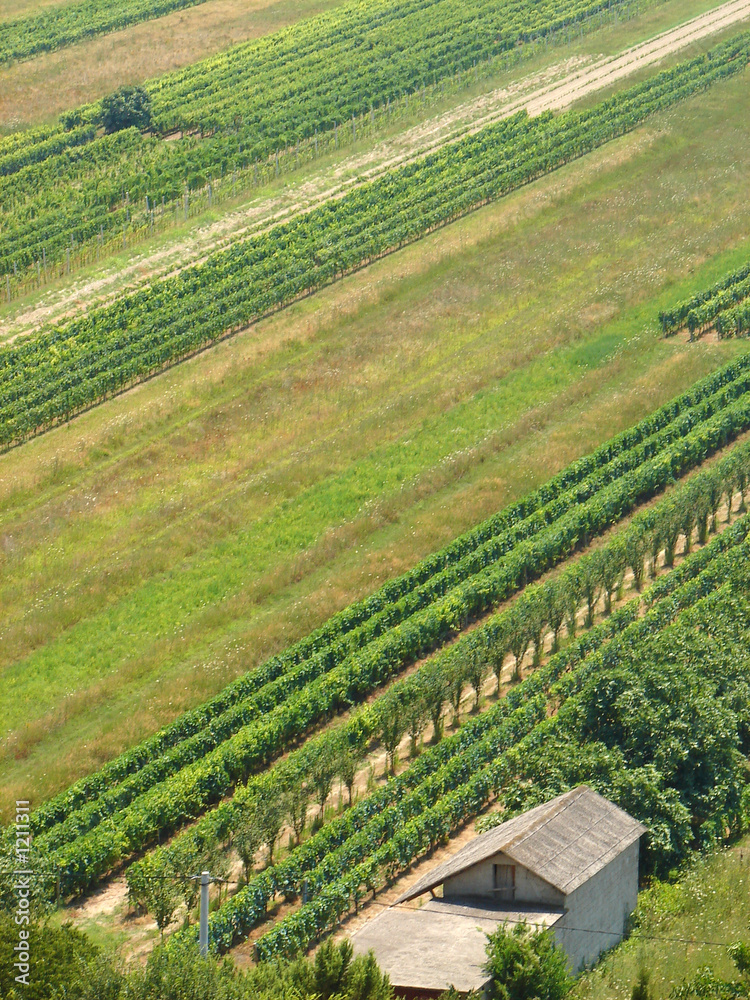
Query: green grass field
{"x": 174, "y": 537}
{"x": 680, "y": 927}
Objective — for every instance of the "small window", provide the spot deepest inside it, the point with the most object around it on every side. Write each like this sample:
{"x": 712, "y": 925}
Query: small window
{"x": 504, "y": 876}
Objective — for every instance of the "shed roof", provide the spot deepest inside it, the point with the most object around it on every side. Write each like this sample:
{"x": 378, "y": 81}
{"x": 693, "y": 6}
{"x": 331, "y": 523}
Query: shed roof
{"x": 565, "y": 842}
{"x": 440, "y": 944}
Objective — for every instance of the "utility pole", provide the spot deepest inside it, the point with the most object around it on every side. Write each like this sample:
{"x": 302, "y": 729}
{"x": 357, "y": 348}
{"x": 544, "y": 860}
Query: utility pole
{"x": 203, "y": 936}
{"x": 205, "y": 880}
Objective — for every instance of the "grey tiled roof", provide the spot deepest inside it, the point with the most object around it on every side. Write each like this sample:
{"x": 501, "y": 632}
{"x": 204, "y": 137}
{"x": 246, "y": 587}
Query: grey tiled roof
{"x": 565, "y": 842}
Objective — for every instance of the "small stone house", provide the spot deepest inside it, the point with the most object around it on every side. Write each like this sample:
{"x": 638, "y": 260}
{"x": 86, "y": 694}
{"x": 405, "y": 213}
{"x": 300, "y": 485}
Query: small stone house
{"x": 570, "y": 865}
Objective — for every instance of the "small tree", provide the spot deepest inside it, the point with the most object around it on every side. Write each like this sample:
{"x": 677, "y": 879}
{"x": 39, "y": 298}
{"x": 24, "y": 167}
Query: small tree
{"x": 702, "y": 514}
{"x": 269, "y": 811}
{"x": 554, "y": 603}
{"x": 392, "y": 726}
{"x": 456, "y": 683}
{"x": 297, "y": 800}
{"x": 332, "y": 963}
{"x": 128, "y": 107}
{"x": 740, "y": 476}
{"x": 415, "y": 714}
{"x": 572, "y": 598}
{"x": 191, "y": 857}
{"x": 526, "y": 964}
{"x": 162, "y": 897}
{"x": 323, "y": 768}
{"x": 589, "y": 578}
{"x": 248, "y": 837}
{"x": 688, "y": 515}
{"x": 520, "y": 638}
{"x": 714, "y": 492}
{"x": 636, "y": 550}
{"x": 349, "y": 756}
{"x": 435, "y": 692}
{"x": 729, "y": 490}
{"x": 499, "y": 648}
{"x": 612, "y": 563}
{"x": 476, "y": 671}
{"x": 535, "y": 615}
{"x": 655, "y": 544}
{"x": 671, "y": 528}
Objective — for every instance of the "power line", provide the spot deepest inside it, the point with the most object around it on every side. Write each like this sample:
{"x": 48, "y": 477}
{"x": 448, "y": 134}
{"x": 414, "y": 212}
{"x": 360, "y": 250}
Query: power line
{"x": 374, "y": 902}
{"x": 24, "y": 873}
{"x": 388, "y": 906}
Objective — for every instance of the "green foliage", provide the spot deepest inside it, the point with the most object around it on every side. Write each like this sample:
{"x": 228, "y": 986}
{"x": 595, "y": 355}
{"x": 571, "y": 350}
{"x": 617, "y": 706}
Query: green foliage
{"x": 157, "y": 890}
{"x": 525, "y": 963}
{"x": 336, "y": 973}
{"x": 247, "y": 838}
{"x": 612, "y": 563}
{"x": 392, "y": 725}
{"x": 52, "y": 375}
{"x": 705, "y": 985}
{"x": 128, "y": 107}
{"x": 297, "y": 796}
{"x": 56, "y": 955}
{"x": 242, "y": 105}
{"x": 701, "y": 309}
{"x": 636, "y": 550}
{"x": 68, "y": 966}
{"x": 475, "y": 670}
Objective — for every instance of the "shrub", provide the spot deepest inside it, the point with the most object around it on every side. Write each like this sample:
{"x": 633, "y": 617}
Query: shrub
{"x": 127, "y": 107}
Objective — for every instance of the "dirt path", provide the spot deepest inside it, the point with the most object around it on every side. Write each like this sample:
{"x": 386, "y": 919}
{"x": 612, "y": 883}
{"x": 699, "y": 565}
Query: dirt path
{"x": 553, "y": 89}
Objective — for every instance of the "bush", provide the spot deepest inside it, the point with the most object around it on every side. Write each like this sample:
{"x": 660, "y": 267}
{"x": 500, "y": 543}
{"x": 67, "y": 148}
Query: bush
{"x": 525, "y": 963}
{"x": 57, "y": 955}
{"x": 127, "y": 107}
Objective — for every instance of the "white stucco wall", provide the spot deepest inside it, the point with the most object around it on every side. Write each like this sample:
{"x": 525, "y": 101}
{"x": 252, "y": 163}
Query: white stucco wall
{"x": 597, "y": 912}
{"x": 477, "y": 881}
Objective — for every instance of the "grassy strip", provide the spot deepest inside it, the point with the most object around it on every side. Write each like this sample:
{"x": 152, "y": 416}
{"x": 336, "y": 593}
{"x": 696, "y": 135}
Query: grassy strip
{"x": 251, "y": 102}
{"x": 187, "y": 793}
{"x": 364, "y": 621}
{"x": 54, "y": 375}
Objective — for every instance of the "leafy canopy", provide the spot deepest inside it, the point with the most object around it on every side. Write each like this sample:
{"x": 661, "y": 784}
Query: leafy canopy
{"x": 525, "y": 963}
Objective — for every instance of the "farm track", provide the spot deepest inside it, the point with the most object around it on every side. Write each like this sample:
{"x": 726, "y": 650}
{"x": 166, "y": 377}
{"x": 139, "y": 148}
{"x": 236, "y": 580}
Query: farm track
{"x": 537, "y": 93}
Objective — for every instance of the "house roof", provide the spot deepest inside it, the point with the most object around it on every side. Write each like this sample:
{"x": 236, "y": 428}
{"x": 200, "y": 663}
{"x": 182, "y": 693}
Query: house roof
{"x": 440, "y": 944}
{"x": 564, "y": 842}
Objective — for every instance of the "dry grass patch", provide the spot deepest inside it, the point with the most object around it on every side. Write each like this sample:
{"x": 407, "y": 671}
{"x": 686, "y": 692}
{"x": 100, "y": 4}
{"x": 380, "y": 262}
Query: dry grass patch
{"x": 40, "y": 89}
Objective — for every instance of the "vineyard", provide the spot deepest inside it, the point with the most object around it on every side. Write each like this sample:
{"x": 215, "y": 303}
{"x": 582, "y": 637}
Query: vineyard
{"x": 464, "y": 528}
{"x": 724, "y": 305}
{"x": 229, "y": 745}
{"x": 59, "y": 27}
{"x": 52, "y": 376}
{"x": 67, "y": 186}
